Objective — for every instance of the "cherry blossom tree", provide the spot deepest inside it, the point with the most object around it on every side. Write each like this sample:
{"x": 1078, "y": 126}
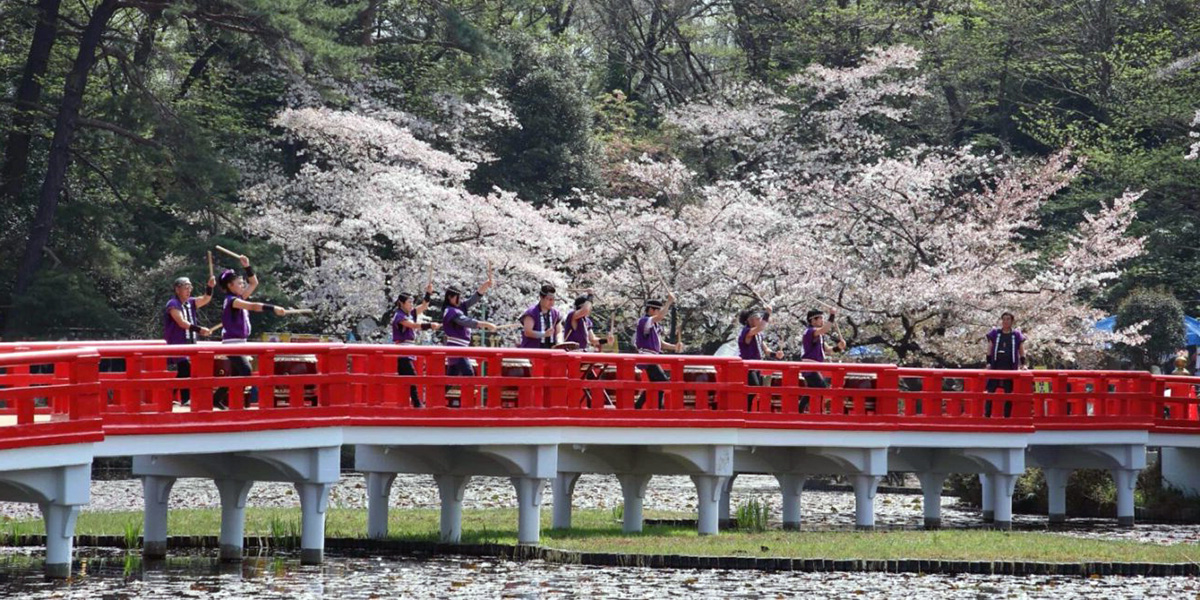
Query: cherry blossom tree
{"x": 372, "y": 201}
{"x": 826, "y": 203}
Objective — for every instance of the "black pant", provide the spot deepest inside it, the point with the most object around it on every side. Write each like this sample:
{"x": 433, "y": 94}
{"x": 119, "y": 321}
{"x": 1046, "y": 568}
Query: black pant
{"x": 404, "y": 366}
{"x": 460, "y": 367}
{"x": 653, "y": 373}
{"x": 240, "y": 365}
{"x": 183, "y": 370}
{"x": 812, "y": 379}
{"x": 753, "y": 378}
{"x": 992, "y": 386}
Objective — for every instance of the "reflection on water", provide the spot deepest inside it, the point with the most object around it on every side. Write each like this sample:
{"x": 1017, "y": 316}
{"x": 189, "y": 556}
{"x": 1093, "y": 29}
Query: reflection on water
{"x": 113, "y": 574}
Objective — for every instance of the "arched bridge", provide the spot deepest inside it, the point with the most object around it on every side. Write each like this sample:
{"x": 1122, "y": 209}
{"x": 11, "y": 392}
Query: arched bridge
{"x": 539, "y": 415}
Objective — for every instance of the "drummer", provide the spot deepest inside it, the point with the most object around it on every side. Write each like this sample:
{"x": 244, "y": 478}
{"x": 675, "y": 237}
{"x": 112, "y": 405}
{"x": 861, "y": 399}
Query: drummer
{"x": 235, "y": 317}
{"x": 578, "y": 328}
{"x": 648, "y": 340}
{"x": 181, "y": 326}
{"x": 813, "y": 348}
{"x": 405, "y": 324}
{"x": 457, "y": 325}
{"x": 751, "y": 345}
{"x": 542, "y": 323}
{"x": 578, "y": 325}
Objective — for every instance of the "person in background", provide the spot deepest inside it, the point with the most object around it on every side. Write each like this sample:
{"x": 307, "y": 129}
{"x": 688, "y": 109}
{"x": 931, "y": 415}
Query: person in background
{"x": 235, "y": 316}
{"x": 457, "y": 325}
{"x": 813, "y": 348}
{"x": 181, "y": 325}
{"x": 648, "y": 340}
{"x": 405, "y": 324}
{"x": 1005, "y": 352}
{"x": 752, "y": 347}
{"x": 542, "y": 323}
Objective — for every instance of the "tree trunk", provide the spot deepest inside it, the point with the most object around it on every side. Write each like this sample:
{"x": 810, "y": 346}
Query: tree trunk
{"x": 29, "y": 92}
{"x": 65, "y": 125}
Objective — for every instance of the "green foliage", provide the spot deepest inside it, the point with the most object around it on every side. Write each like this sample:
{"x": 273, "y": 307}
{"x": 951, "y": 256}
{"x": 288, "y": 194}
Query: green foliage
{"x": 64, "y": 303}
{"x": 132, "y": 533}
{"x": 178, "y": 112}
{"x": 753, "y": 515}
{"x": 552, "y": 152}
{"x": 1163, "y": 329}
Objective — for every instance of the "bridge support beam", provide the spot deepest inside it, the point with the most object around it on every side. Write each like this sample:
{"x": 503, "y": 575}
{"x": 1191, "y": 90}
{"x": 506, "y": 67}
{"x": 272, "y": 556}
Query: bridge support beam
{"x": 791, "y": 485}
{"x": 311, "y": 469}
{"x": 451, "y": 489}
{"x": 725, "y": 511}
{"x": 379, "y": 490}
{"x": 633, "y": 490}
{"x": 1056, "y": 491}
{"x": 58, "y": 480}
{"x": 1123, "y": 460}
{"x": 1126, "y": 482}
{"x": 708, "y": 495}
{"x": 865, "y": 487}
{"x": 931, "y": 490}
{"x": 1003, "y": 485}
{"x": 233, "y": 494}
{"x": 529, "y": 508}
{"x": 562, "y": 490}
{"x": 987, "y": 497}
{"x": 59, "y": 520}
{"x": 156, "y": 490}
{"x": 314, "y": 500}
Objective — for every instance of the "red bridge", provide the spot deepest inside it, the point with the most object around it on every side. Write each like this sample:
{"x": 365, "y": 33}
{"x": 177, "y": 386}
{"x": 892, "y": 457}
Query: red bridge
{"x": 537, "y": 416}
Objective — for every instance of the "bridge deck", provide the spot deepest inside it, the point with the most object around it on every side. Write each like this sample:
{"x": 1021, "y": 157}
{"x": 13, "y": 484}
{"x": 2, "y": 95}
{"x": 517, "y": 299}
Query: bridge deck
{"x": 539, "y": 416}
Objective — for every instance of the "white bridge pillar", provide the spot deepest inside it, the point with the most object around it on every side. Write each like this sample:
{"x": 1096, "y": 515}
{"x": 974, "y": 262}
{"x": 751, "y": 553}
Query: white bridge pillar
{"x": 58, "y": 480}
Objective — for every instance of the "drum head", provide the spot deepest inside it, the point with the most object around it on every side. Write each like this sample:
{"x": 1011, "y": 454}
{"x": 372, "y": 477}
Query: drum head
{"x": 568, "y": 346}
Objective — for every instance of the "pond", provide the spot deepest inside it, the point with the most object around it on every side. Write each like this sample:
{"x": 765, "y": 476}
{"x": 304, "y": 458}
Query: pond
{"x": 102, "y": 573}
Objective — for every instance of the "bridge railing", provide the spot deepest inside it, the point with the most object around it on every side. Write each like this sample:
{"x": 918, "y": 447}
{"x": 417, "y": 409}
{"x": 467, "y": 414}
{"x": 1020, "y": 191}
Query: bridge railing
{"x": 324, "y": 380}
{"x": 49, "y": 396}
{"x": 1176, "y": 406}
{"x": 283, "y": 375}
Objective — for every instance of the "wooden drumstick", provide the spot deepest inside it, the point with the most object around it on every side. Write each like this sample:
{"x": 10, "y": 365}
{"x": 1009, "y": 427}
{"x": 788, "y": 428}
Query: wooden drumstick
{"x": 430, "y": 278}
{"x": 210, "y": 267}
{"x": 229, "y": 252}
{"x": 508, "y": 326}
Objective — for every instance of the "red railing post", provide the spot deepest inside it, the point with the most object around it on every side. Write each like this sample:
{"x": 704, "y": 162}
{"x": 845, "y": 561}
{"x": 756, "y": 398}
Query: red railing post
{"x": 627, "y": 377}
{"x": 131, "y": 398}
{"x": 735, "y": 393}
{"x": 887, "y": 389}
{"x": 85, "y": 372}
{"x": 789, "y": 389}
{"x": 1022, "y": 407}
{"x": 202, "y": 368}
{"x": 336, "y": 390}
{"x": 435, "y": 367}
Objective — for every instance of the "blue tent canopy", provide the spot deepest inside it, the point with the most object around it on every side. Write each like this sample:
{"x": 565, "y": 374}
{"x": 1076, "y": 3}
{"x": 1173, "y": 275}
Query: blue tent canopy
{"x": 1191, "y": 328}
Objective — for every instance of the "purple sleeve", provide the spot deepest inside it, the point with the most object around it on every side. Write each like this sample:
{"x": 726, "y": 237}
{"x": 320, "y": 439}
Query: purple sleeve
{"x": 991, "y": 335}
{"x": 464, "y": 321}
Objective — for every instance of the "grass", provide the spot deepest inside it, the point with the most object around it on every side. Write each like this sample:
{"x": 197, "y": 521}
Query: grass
{"x": 599, "y": 531}
{"x": 753, "y": 516}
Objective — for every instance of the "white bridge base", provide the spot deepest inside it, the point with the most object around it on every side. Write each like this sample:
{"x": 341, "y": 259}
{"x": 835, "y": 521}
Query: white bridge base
{"x": 57, "y": 478}
{"x": 312, "y": 470}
